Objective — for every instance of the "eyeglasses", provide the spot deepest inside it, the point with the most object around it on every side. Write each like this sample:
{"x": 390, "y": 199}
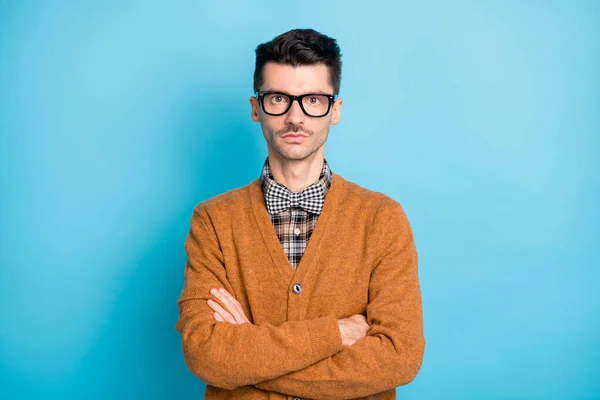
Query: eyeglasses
{"x": 314, "y": 105}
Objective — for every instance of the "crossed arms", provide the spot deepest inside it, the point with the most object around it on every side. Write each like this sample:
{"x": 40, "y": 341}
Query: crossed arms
{"x": 305, "y": 358}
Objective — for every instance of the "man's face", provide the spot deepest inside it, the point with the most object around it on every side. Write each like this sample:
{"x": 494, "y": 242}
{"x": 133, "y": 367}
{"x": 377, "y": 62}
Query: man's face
{"x": 313, "y": 131}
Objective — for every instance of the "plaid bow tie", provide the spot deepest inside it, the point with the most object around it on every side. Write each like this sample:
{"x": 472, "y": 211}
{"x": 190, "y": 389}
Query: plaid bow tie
{"x": 280, "y": 198}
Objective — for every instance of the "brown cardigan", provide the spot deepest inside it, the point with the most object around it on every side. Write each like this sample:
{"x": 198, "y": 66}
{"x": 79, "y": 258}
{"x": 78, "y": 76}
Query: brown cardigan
{"x": 361, "y": 259}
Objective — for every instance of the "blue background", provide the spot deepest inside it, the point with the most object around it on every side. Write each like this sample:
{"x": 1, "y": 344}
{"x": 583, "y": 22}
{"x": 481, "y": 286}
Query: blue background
{"x": 481, "y": 118}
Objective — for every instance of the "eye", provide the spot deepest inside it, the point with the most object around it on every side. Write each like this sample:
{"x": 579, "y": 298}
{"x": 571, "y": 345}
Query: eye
{"x": 313, "y": 100}
{"x": 277, "y": 99}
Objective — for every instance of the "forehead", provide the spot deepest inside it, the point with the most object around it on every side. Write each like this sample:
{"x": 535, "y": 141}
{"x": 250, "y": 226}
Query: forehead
{"x": 296, "y": 80}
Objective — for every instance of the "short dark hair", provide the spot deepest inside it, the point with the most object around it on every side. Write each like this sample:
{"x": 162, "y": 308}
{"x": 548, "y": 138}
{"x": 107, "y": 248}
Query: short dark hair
{"x": 300, "y": 47}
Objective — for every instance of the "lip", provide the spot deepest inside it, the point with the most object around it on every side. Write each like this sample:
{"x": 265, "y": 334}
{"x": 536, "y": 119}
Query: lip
{"x": 292, "y": 138}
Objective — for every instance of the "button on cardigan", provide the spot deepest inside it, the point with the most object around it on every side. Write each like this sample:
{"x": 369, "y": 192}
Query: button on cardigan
{"x": 361, "y": 259}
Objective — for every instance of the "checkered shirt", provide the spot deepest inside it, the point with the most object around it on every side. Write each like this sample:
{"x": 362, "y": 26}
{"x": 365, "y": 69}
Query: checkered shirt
{"x": 295, "y": 225}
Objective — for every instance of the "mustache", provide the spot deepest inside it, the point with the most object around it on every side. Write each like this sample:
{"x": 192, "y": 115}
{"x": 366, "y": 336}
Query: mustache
{"x": 293, "y": 129}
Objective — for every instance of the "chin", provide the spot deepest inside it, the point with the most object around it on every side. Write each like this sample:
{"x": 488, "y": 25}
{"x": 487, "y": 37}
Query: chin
{"x": 296, "y": 156}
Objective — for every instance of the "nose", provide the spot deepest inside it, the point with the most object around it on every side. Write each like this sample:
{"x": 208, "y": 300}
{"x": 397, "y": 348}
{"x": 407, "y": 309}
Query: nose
{"x": 295, "y": 115}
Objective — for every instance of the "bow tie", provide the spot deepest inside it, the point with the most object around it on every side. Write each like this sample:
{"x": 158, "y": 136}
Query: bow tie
{"x": 280, "y": 198}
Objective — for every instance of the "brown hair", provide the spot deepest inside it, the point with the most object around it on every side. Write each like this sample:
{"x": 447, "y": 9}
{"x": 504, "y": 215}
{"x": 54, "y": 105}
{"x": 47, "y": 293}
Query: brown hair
{"x": 300, "y": 47}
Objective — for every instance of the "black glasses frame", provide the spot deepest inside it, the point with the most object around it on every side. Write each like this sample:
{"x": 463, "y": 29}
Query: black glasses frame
{"x": 291, "y": 97}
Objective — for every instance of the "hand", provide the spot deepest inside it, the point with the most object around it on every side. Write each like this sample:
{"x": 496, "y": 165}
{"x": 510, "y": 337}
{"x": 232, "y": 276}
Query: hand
{"x": 353, "y": 329}
{"x": 233, "y": 313}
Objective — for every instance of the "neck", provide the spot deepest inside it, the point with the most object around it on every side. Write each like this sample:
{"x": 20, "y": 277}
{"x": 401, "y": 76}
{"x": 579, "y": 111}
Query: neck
{"x": 296, "y": 174}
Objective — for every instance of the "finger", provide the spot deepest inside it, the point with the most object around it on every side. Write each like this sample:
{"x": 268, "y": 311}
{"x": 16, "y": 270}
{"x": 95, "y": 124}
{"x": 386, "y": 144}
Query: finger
{"x": 223, "y": 314}
{"x": 236, "y": 303}
{"x": 217, "y": 307}
{"x": 218, "y": 317}
{"x": 230, "y": 303}
{"x": 233, "y": 302}
{"x": 360, "y": 317}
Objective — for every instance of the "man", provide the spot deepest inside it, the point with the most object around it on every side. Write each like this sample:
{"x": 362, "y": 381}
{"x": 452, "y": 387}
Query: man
{"x": 301, "y": 284}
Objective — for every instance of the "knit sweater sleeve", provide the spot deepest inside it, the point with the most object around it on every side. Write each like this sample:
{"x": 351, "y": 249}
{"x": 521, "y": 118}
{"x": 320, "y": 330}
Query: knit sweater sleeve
{"x": 227, "y": 355}
{"x": 392, "y": 352}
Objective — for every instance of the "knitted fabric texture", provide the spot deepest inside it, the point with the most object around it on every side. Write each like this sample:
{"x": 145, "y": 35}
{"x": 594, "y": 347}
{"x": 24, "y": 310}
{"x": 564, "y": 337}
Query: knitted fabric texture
{"x": 361, "y": 259}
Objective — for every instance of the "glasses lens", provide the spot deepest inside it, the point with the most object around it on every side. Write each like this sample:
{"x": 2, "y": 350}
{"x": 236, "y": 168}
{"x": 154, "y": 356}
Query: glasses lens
{"x": 276, "y": 103}
{"x": 316, "y": 105}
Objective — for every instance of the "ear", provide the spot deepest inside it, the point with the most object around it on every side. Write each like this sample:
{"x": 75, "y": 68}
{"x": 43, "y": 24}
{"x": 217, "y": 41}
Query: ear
{"x": 337, "y": 111}
{"x": 255, "y": 109}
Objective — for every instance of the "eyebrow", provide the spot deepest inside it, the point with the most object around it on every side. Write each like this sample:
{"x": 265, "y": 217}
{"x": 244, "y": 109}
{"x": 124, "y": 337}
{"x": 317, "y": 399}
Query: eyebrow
{"x": 283, "y": 91}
